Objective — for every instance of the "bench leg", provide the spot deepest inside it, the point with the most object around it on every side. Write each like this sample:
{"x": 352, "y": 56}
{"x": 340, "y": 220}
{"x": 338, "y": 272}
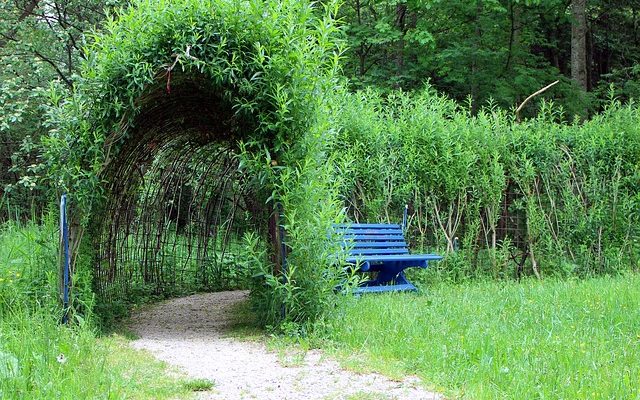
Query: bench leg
{"x": 387, "y": 278}
{"x": 401, "y": 279}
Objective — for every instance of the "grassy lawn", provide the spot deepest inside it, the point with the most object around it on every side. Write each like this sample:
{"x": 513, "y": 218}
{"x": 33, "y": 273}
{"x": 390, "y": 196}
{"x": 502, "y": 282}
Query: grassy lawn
{"x": 40, "y": 359}
{"x": 534, "y": 340}
{"x": 485, "y": 340}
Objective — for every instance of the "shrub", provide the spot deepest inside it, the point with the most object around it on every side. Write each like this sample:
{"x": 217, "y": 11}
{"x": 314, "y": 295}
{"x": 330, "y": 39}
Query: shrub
{"x": 538, "y": 197}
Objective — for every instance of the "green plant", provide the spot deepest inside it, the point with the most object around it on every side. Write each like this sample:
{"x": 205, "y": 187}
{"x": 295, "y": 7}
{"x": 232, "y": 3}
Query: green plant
{"x": 265, "y": 65}
{"x": 199, "y": 385}
{"x": 537, "y": 197}
{"x": 39, "y": 357}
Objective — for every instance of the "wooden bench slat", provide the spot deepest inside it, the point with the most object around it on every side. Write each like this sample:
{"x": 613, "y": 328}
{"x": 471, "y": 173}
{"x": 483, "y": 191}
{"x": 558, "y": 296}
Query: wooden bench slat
{"x": 381, "y": 251}
{"x": 388, "y": 238}
{"x": 370, "y": 231}
{"x": 395, "y": 257}
{"x": 367, "y": 245}
{"x": 380, "y": 226}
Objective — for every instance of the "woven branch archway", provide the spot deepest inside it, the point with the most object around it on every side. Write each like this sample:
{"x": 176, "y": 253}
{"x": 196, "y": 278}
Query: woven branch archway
{"x": 150, "y": 143}
{"x": 177, "y": 204}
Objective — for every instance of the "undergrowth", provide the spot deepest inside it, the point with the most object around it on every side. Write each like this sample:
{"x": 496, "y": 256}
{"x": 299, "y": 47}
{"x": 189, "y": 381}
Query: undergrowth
{"x": 538, "y": 197}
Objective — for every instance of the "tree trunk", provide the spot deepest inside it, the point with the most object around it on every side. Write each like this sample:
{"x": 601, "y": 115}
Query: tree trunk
{"x": 579, "y": 43}
{"x": 477, "y": 45}
{"x": 361, "y": 51}
{"x": 401, "y": 13}
{"x": 514, "y": 37}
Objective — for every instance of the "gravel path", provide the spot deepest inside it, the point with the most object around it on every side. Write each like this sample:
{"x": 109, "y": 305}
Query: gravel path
{"x": 192, "y": 333}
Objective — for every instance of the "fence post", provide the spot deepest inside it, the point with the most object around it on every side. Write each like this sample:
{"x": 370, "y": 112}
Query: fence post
{"x": 64, "y": 241}
{"x": 404, "y": 217}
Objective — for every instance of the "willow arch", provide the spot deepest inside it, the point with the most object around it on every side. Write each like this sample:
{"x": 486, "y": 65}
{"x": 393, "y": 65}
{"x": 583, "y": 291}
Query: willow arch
{"x": 182, "y": 80}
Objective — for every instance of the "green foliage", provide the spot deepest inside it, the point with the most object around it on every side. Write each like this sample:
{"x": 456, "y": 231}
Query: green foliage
{"x": 267, "y": 64}
{"x": 23, "y": 252}
{"x": 270, "y": 68}
{"x": 258, "y": 57}
{"x": 29, "y": 269}
{"x": 493, "y": 51}
{"x": 304, "y": 288}
{"x": 40, "y": 46}
{"x": 572, "y": 188}
{"x": 488, "y": 340}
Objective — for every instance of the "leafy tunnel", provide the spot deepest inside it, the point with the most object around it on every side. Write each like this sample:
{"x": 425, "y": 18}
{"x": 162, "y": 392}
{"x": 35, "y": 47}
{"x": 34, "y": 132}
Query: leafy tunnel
{"x": 168, "y": 144}
{"x": 178, "y": 202}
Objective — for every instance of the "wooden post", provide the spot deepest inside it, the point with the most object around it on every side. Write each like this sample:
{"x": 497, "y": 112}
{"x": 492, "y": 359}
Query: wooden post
{"x": 275, "y": 239}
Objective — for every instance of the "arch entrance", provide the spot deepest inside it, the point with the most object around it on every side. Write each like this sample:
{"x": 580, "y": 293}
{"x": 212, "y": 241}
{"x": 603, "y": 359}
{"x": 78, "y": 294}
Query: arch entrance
{"x": 179, "y": 206}
{"x": 150, "y": 146}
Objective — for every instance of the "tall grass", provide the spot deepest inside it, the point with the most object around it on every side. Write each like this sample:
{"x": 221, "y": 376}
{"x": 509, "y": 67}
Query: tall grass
{"x": 28, "y": 265}
{"x": 531, "y": 340}
{"x": 42, "y": 359}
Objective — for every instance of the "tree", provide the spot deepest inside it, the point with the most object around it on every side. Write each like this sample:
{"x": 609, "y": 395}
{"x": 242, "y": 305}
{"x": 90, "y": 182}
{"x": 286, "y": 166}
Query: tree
{"x": 27, "y": 10}
{"x": 40, "y": 45}
{"x": 579, "y": 43}
{"x": 501, "y": 50}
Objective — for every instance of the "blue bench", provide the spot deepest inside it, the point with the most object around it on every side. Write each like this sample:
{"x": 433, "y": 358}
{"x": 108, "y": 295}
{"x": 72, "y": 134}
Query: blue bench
{"x": 381, "y": 248}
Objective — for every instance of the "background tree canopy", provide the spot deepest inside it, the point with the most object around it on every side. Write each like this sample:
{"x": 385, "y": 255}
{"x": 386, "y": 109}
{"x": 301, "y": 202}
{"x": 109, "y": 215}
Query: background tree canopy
{"x": 502, "y": 50}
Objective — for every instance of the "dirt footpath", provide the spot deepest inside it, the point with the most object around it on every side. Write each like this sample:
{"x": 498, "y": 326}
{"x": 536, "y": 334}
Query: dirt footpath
{"x": 193, "y": 334}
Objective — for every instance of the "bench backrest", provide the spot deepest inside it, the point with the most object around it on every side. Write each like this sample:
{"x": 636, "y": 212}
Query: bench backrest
{"x": 372, "y": 239}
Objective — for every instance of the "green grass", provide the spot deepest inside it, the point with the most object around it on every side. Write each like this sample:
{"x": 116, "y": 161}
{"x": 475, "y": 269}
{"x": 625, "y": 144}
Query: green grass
{"x": 534, "y": 340}
{"x": 28, "y": 264}
{"x": 41, "y": 359}
{"x": 199, "y": 385}
{"x": 545, "y": 340}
